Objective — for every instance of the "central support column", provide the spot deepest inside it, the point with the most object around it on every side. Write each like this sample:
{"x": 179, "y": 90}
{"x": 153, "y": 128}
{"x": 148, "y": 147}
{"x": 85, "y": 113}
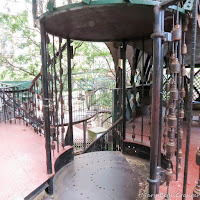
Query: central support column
{"x": 155, "y": 114}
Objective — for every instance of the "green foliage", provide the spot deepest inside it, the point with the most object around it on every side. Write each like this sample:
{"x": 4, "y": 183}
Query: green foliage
{"x": 20, "y": 47}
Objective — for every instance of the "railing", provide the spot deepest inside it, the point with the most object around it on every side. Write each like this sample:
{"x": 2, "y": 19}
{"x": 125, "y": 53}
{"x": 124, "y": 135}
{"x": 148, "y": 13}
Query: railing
{"x": 13, "y": 108}
{"x": 109, "y": 140}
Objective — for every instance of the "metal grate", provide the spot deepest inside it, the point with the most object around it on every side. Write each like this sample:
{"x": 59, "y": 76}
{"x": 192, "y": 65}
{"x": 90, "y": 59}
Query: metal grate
{"x": 196, "y": 86}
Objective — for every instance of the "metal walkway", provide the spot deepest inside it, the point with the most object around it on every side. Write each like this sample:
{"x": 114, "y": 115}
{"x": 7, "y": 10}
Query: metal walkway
{"x": 97, "y": 176}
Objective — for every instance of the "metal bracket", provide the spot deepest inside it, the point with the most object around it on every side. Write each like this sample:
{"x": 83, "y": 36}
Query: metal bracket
{"x": 188, "y": 5}
{"x": 154, "y": 181}
{"x": 167, "y": 37}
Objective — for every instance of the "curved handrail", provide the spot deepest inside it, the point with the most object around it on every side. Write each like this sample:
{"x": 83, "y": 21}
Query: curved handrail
{"x": 101, "y": 137}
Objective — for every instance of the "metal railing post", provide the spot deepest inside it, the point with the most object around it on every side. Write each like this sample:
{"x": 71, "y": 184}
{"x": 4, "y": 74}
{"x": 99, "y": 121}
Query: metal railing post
{"x": 45, "y": 99}
{"x": 155, "y": 116}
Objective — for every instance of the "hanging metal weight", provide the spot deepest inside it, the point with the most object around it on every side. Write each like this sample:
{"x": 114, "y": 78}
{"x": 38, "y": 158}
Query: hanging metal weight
{"x": 182, "y": 113}
{"x": 173, "y": 92}
{"x": 176, "y": 33}
{"x": 180, "y": 153}
{"x": 172, "y": 120}
{"x": 175, "y": 66}
{"x": 184, "y": 49}
{"x": 182, "y": 92}
{"x": 170, "y": 148}
{"x": 171, "y": 133}
{"x": 183, "y": 71}
{"x": 181, "y": 133}
{"x": 169, "y": 175}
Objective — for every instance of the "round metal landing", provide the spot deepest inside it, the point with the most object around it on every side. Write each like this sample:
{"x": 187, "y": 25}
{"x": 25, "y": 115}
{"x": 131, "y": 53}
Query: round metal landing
{"x": 101, "y": 22}
{"x": 97, "y": 176}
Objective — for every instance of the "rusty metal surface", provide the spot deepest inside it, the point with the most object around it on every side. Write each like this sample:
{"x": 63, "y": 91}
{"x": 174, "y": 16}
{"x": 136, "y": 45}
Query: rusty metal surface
{"x": 101, "y": 22}
{"x": 100, "y": 175}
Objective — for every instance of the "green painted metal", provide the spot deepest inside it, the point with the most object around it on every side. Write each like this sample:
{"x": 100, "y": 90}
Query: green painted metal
{"x": 51, "y": 5}
{"x": 188, "y": 5}
{"x": 17, "y": 84}
{"x": 86, "y": 3}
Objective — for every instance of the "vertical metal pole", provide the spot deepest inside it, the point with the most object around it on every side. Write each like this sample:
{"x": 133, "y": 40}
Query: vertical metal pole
{"x": 155, "y": 116}
{"x": 161, "y": 102}
{"x": 45, "y": 99}
{"x": 194, "y": 35}
{"x": 178, "y": 108}
{"x": 142, "y": 101}
{"x": 56, "y": 100}
{"x": 84, "y": 134}
{"x": 69, "y": 57}
{"x": 124, "y": 91}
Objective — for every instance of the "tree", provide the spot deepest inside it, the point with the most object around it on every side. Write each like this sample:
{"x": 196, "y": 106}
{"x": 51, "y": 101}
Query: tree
{"x": 20, "y": 47}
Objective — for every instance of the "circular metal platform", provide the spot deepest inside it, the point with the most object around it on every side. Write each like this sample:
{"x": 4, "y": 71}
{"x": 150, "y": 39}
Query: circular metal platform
{"x": 101, "y": 22}
{"x": 99, "y": 175}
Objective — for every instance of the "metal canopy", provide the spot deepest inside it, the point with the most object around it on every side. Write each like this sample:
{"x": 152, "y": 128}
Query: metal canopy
{"x": 101, "y": 22}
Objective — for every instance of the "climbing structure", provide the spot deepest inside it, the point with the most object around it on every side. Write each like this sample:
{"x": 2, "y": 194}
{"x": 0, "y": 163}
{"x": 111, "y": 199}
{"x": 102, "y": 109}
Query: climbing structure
{"x": 161, "y": 90}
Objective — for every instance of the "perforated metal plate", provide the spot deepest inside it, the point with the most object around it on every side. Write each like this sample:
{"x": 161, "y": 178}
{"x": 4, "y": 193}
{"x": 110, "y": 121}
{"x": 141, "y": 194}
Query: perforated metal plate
{"x": 97, "y": 176}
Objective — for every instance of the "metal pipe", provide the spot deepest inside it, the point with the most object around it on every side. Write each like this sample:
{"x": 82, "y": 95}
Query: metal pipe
{"x": 124, "y": 91}
{"x": 161, "y": 97}
{"x": 84, "y": 134}
{"x": 142, "y": 101}
{"x": 69, "y": 57}
{"x": 45, "y": 99}
{"x": 194, "y": 34}
{"x": 178, "y": 107}
{"x": 56, "y": 100}
{"x": 155, "y": 115}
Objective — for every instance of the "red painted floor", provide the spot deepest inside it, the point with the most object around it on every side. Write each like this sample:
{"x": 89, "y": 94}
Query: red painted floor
{"x": 22, "y": 161}
{"x": 176, "y": 187}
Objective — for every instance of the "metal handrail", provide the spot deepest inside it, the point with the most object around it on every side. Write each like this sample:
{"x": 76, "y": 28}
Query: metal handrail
{"x": 103, "y": 135}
